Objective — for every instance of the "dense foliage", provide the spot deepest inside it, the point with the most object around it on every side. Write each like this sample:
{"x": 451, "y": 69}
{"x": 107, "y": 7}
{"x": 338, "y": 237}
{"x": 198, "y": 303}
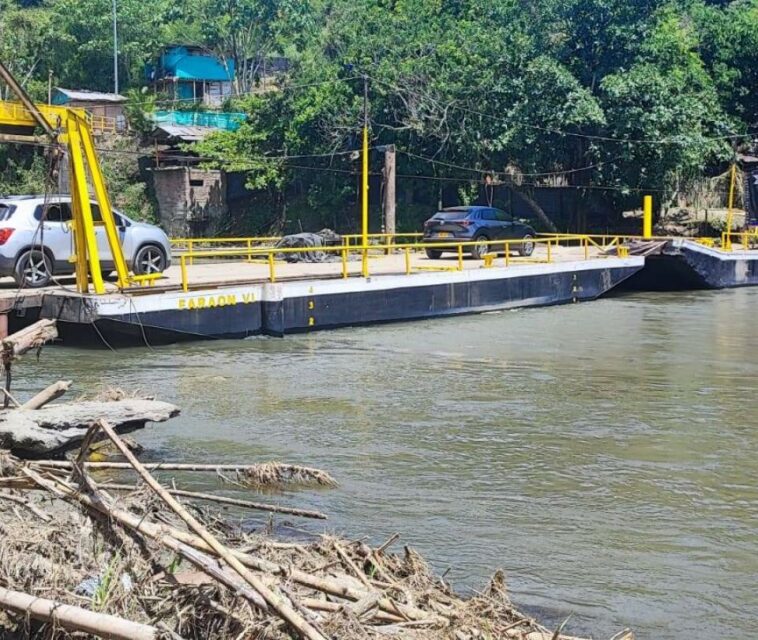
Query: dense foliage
{"x": 627, "y": 96}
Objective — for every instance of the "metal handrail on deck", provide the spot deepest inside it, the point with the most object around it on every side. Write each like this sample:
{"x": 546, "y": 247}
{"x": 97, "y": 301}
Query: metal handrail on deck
{"x": 747, "y": 238}
{"x": 268, "y": 255}
{"x": 249, "y": 243}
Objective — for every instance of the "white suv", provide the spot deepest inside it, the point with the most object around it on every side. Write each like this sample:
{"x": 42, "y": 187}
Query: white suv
{"x": 36, "y": 244}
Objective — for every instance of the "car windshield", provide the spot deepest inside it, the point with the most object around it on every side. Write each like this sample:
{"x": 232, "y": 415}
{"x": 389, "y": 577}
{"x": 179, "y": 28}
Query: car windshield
{"x": 451, "y": 215}
{"x": 6, "y": 211}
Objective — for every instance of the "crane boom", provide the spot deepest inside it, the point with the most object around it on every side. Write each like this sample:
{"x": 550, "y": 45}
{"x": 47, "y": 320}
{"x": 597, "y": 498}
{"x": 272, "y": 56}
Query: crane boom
{"x": 71, "y": 130}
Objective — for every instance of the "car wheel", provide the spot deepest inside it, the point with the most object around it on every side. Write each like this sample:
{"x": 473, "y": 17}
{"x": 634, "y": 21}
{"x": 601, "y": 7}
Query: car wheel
{"x": 149, "y": 259}
{"x": 433, "y": 254}
{"x": 481, "y": 248}
{"x": 527, "y": 246}
{"x": 33, "y": 269}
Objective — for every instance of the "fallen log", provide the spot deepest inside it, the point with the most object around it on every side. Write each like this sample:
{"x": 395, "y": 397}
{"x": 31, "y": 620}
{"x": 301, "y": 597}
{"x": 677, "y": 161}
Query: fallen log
{"x": 272, "y": 598}
{"x": 53, "y": 392}
{"x": 53, "y": 429}
{"x": 74, "y": 618}
{"x": 32, "y": 337}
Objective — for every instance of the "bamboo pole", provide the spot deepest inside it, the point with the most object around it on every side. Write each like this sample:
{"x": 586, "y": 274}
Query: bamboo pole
{"x": 276, "y": 601}
{"x": 73, "y": 618}
{"x": 304, "y": 513}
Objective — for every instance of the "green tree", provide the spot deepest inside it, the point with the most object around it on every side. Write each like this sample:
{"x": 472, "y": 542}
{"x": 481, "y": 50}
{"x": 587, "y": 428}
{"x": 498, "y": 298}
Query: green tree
{"x": 666, "y": 111}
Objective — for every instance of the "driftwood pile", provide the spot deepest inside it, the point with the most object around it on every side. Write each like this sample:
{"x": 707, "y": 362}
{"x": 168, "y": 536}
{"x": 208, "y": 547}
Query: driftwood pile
{"x": 79, "y": 557}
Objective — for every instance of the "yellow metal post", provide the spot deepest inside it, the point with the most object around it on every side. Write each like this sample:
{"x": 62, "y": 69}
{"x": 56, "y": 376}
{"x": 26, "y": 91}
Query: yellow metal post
{"x": 730, "y": 208}
{"x": 549, "y": 251}
{"x": 364, "y": 204}
{"x": 344, "y": 263}
{"x": 85, "y": 223}
{"x": 185, "y": 283}
{"x": 80, "y": 249}
{"x": 407, "y": 261}
{"x": 364, "y": 182}
{"x": 271, "y": 268}
{"x": 460, "y": 257}
{"x": 647, "y": 217}
{"x": 106, "y": 211}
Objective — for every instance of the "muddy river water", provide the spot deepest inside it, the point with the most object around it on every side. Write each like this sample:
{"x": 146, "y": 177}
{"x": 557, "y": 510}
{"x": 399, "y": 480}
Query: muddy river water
{"x": 605, "y": 454}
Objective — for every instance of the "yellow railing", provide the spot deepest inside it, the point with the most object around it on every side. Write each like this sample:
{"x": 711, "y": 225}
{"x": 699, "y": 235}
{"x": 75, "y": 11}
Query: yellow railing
{"x": 604, "y": 242}
{"x": 261, "y": 250}
{"x": 748, "y": 239}
{"x": 246, "y": 243}
{"x": 105, "y": 124}
{"x": 270, "y": 255}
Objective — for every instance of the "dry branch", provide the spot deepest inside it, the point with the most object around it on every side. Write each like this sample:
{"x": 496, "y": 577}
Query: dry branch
{"x": 259, "y": 506}
{"x": 75, "y": 618}
{"x": 264, "y": 473}
{"x": 53, "y": 392}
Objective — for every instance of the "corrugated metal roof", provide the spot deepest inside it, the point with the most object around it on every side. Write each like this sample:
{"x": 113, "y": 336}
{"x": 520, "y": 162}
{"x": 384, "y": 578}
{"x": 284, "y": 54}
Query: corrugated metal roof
{"x": 186, "y": 133}
{"x": 90, "y": 96}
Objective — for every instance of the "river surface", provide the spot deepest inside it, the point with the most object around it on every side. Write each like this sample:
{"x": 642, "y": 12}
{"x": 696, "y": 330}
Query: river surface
{"x": 605, "y": 454}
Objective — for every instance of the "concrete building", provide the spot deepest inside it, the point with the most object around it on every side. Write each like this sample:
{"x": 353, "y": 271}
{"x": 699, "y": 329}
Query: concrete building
{"x": 191, "y": 202}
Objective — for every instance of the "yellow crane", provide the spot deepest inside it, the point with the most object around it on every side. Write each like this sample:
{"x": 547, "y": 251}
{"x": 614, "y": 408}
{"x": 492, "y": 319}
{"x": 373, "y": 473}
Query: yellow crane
{"x": 69, "y": 130}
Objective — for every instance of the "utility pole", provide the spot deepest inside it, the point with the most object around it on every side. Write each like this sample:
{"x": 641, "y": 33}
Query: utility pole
{"x": 50, "y": 86}
{"x": 390, "y": 200}
{"x": 364, "y": 194}
{"x": 115, "y": 50}
{"x": 727, "y": 242}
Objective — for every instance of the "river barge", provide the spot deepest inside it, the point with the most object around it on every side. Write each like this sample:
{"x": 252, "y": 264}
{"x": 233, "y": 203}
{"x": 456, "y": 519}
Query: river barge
{"x": 237, "y": 300}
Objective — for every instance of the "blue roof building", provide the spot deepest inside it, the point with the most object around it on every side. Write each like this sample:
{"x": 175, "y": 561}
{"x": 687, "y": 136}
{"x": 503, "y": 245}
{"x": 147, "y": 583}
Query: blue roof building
{"x": 190, "y": 73}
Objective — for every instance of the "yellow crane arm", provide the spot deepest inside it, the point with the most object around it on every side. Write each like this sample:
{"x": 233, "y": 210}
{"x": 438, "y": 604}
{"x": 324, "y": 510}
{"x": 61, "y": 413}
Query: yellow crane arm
{"x": 71, "y": 129}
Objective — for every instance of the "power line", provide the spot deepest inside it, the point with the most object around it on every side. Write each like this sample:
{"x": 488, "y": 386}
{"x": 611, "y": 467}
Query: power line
{"x": 480, "y": 172}
{"x": 492, "y": 171}
{"x": 176, "y": 156}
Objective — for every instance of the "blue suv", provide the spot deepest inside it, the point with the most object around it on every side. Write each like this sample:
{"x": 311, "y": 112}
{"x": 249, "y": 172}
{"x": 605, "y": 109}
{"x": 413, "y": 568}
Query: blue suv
{"x": 477, "y": 224}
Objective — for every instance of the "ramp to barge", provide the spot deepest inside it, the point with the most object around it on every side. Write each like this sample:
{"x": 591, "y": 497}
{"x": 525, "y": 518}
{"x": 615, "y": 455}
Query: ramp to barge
{"x": 680, "y": 264}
